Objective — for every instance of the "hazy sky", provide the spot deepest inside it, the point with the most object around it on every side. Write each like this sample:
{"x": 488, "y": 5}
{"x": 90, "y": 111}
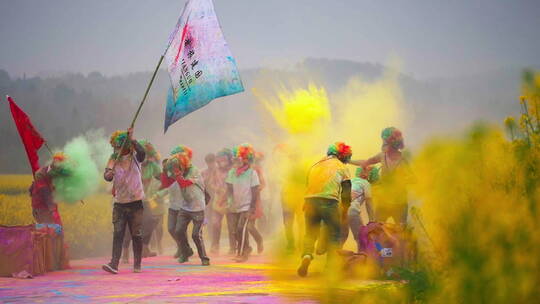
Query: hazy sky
{"x": 432, "y": 38}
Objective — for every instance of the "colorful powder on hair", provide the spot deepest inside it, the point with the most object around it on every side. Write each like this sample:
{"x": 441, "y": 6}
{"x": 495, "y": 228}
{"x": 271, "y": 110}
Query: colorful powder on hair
{"x": 118, "y": 138}
{"x": 392, "y": 137}
{"x": 245, "y": 152}
{"x": 308, "y": 119}
{"x": 182, "y": 149}
{"x": 180, "y": 161}
{"x": 150, "y": 150}
{"x": 340, "y": 150}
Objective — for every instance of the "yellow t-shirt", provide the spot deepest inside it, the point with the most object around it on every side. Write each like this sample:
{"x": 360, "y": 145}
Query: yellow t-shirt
{"x": 325, "y": 178}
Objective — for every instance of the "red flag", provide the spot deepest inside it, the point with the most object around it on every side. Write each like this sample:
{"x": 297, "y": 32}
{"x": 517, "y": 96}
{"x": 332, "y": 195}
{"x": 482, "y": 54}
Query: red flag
{"x": 31, "y": 139}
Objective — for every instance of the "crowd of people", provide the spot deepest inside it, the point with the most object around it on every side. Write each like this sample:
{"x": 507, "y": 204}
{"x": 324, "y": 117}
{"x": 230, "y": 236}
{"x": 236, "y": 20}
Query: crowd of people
{"x": 230, "y": 188}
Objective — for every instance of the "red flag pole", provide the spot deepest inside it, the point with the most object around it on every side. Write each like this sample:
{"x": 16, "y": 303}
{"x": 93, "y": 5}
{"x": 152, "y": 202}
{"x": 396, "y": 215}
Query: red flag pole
{"x": 31, "y": 139}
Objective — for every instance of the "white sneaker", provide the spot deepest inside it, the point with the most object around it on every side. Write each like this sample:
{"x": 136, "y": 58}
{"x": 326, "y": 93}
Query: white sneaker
{"x": 109, "y": 268}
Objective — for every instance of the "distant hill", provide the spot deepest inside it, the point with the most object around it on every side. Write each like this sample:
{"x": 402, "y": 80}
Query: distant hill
{"x": 66, "y": 105}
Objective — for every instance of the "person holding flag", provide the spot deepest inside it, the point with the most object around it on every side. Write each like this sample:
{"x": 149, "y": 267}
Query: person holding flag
{"x": 124, "y": 170}
{"x": 151, "y": 172}
{"x": 44, "y": 208}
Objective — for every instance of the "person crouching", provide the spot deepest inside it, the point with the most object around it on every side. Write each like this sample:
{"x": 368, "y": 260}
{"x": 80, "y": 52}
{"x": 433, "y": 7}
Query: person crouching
{"x": 192, "y": 204}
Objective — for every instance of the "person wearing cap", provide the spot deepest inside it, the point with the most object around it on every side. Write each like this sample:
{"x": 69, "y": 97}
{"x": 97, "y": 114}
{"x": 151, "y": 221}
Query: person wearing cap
{"x": 328, "y": 183}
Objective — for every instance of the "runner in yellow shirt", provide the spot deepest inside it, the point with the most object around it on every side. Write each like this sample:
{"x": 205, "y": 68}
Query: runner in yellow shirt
{"x": 328, "y": 181}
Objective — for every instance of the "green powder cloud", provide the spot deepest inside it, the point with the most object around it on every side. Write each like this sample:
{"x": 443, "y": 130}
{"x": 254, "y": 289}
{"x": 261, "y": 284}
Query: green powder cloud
{"x": 85, "y": 154}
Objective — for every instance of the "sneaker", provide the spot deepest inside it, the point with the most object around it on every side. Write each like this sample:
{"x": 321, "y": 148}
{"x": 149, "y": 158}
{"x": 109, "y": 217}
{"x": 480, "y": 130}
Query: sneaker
{"x": 137, "y": 269}
{"x": 303, "y": 269}
{"x": 205, "y": 262}
{"x": 109, "y": 268}
{"x": 190, "y": 252}
{"x": 182, "y": 259}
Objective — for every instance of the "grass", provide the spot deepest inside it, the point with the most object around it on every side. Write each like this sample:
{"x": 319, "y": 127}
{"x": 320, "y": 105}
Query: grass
{"x": 88, "y": 226}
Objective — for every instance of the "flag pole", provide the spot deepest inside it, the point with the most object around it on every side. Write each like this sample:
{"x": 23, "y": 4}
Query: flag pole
{"x": 9, "y": 100}
{"x": 140, "y": 106}
{"x": 143, "y": 100}
{"x": 147, "y": 90}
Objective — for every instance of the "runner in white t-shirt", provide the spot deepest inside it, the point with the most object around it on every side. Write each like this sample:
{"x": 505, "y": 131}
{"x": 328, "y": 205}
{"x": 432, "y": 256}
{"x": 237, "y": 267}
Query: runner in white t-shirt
{"x": 242, "y": 193}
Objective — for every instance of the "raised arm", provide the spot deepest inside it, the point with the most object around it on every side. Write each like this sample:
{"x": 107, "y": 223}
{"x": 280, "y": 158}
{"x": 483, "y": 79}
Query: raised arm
{"x": 367, "y": 162}
{"x": 140, "y": 154}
